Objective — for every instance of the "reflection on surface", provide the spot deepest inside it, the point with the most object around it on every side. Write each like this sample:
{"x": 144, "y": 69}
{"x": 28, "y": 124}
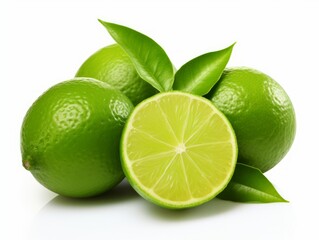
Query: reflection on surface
{"x": 121, "y": 193}
{"x": 122, "y": 214}
{"x": 66, "y": 218}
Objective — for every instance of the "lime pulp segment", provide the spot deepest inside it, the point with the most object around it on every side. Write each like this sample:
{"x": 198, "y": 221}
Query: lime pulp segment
{"x": 178, "y": 150}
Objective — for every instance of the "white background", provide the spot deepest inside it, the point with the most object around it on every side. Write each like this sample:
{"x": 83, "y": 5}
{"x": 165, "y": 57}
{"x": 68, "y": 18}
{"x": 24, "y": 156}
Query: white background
{"x": 44, "y": 42}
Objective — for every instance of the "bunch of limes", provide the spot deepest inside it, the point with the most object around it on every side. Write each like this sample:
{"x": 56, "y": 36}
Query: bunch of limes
{"x": 73, "y": 142}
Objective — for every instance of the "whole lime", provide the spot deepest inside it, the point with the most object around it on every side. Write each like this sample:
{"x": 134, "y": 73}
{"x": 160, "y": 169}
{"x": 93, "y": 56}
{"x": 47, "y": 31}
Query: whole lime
{"x": 112, "y": 65}
{"x": 260, "y": 112}
{"x": 70, "y": 137}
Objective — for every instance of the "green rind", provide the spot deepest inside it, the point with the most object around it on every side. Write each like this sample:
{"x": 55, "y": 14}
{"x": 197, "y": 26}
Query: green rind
{"x": 71, "y": 152}
{"x": 261, "y": 113}
{"x": 143, "y": 192}
{"x": 112, "y": 65}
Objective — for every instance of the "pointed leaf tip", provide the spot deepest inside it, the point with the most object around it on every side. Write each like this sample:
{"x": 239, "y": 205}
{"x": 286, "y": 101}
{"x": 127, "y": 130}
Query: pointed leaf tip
{"x": 199, "y": 75}
{"x": 248, "y": 184}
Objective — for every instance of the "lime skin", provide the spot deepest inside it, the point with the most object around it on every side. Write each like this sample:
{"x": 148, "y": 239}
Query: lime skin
{"x": 70, "y": 137}
{"x": 112, "y": 65}
{"x": 260, "y": 112}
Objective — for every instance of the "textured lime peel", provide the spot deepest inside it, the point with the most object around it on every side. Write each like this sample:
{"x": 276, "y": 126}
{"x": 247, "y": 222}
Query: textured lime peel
{"x": 112, "y": 65}
{"x": 69, "y": 136}
{"x": 260, "y": 112}
{"x": 178, "y": 150}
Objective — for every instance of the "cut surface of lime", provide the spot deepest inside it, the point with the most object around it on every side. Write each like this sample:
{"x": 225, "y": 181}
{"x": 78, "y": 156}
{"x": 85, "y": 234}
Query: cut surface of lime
{"x": 178, "y": 150}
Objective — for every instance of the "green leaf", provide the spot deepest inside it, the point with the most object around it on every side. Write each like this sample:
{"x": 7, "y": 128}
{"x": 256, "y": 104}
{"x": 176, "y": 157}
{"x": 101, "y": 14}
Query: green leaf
{"x": 150, "y": 60}
{"x": 248, "y": 184}
{"x": 200, "y": 74}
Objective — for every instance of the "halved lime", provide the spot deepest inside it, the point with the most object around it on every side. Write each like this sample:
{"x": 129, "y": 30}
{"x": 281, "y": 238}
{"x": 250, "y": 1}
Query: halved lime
{"x": 178, "y": 150}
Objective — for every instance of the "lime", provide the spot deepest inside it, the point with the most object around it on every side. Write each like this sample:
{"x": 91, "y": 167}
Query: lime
{"x": 260, "y": 112}
{"x": 178, "y": 150}
{"x": 112, "y": 65}
{"x": 70, "y": 137}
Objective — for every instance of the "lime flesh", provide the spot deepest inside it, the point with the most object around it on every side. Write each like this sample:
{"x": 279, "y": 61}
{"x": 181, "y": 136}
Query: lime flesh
{"x": 178, "y": 150}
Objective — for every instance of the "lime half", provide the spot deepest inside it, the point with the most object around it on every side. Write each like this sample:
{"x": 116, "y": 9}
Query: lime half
{"x": 178, "y": 150}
